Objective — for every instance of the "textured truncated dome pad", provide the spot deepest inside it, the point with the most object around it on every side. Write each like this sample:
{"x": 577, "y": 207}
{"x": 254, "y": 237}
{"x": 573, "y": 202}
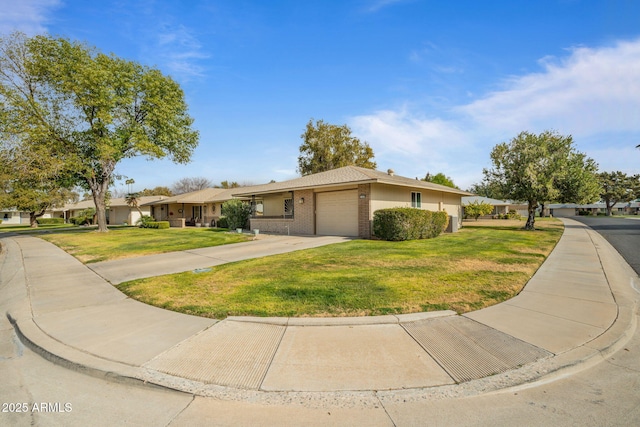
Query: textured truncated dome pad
{"x": 469, "y": 350}
{"x": 230, "y": 353}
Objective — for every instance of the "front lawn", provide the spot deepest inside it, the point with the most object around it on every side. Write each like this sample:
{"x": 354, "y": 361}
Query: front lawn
{"x": 126, "y": 242}
{"x": 465, "y": 271}
{"x": 26, "y": 228}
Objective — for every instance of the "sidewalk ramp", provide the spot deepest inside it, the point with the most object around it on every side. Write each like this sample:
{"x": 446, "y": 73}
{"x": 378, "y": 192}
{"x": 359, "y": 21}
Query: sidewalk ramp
{"x": 469, "y": 350}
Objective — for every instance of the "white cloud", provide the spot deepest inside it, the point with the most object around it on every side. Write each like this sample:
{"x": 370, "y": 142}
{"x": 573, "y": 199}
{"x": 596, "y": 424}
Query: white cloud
{"x": 28, "y": 16}
{"x": 180, "y": 51}
{"x": 405, "y": 132}
{"x": 591, "y": 91}
{"x": 592, "y": 94}
{"x": 413, "y": 145}
{"x": 380, "y": 4}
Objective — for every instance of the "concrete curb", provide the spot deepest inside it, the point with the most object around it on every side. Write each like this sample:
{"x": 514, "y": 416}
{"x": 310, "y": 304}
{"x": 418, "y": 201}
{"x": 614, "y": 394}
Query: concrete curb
{"x": 343, "y": 321}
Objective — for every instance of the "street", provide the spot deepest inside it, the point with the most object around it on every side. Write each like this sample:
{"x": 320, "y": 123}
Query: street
{"x": 622, "y": 233}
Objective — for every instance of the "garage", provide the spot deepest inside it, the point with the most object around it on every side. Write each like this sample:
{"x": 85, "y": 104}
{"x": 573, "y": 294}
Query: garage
{"x": 337, "y": 213}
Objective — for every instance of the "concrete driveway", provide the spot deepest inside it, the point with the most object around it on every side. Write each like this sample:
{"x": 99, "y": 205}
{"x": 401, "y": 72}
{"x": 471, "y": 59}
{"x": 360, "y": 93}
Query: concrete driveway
{"x": 123, "y": 270}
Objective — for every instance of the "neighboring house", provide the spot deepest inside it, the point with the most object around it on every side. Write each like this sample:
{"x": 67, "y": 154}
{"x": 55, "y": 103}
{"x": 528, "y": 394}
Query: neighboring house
{"x": 563, "y": 210}
{"x": 118, "y": 211}
{"x": 500, "y": 207}
{"x": 14, "y": 217}
{"x": 342, "y": 201}
{"x": 71, "y": 210}
{"x": 197, "y": 207}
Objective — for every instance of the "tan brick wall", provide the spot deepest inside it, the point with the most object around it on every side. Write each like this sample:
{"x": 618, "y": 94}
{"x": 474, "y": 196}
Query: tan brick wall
{"x": 303, "y": 222}
{"x": 364, "y": 211}
{"x": 269, "y": 225}
{"x": 304, "y": 213}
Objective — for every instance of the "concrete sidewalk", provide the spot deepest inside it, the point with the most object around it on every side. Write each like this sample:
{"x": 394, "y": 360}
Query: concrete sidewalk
{"x": 577, "y": 309}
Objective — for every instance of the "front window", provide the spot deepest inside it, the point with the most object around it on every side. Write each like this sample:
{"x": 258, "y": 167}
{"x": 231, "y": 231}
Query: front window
{"x": 416, "y": 200}
{"x": 288, "y": 207}
{"x": 196, "y": 212}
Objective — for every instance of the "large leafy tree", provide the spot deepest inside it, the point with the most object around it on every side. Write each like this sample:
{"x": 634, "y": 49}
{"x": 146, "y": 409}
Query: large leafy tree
{"x": 156, "y": 191}
{"x": 486, "y": 189}
{"x": 32, "y": 181}
{"x": 441, "y": 179}
{"x": 537, "y": 168}
{"x": 579, "y": 182}
{"x": 326, "y": 146}
{"x": 616, "y": 187}
{"x": 228, "y": 184}
{"x": 92, "y": 109}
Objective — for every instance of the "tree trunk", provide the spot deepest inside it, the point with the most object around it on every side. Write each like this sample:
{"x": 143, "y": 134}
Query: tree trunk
{"x": 33, "y": 220}
{"x": 99, "y": 192}
{"x": 531, "y": 219}
{"x": 99, "y": 185}
{"x": 609, "y": 205}
{"x": 33, "y": 217}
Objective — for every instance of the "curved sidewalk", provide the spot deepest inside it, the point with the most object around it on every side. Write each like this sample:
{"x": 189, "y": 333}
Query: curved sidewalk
{"x": 577, "y": 309}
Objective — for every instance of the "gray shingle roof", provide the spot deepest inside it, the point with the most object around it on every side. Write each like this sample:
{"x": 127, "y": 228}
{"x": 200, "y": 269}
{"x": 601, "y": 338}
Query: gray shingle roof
{"x": 343, "y": 176}
{"x": 207, "y": 195}
{"x": 118, "y": 201}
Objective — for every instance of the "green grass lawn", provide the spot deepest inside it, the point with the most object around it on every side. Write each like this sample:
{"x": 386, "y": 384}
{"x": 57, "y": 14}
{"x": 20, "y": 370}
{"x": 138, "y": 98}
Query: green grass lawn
{"x": 465, "y": 271}
{"x": 126, "y": 242}
{"x": 25, "y": 228}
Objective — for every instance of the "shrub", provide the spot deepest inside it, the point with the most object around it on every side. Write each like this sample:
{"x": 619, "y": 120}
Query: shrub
{"x": 237, "y": 213}
{"x": 153, "y": 224}
{"x": 408, "y": 224}
{"x": 223, "y": 223}
{"x": 49, "y": 221}
{"x": 84, "y": 217}
{"x": 477, "y": 209}
{"x": 513, "y": 215}
{"x": 160, "y": 225}
{"x": 144, "y": 221}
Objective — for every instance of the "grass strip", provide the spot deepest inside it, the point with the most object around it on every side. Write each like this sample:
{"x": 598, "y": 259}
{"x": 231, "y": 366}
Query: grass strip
{"x": 127, "y": 242}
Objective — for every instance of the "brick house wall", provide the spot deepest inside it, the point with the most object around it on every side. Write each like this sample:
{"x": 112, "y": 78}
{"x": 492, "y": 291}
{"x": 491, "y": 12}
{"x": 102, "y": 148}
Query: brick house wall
{"x": 303, "y": 221}
{"x": 364, "y": 211}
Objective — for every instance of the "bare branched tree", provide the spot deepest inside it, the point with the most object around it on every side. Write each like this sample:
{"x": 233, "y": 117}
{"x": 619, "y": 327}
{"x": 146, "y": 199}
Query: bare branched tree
{"x": 187, "y": 185}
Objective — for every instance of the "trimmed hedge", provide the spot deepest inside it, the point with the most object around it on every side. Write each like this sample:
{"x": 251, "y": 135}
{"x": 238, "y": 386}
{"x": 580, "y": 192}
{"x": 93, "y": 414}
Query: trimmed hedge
{"x": 397, "y": 224}
{"x": 48, "y": 221}
{"x": 156, "y": 224}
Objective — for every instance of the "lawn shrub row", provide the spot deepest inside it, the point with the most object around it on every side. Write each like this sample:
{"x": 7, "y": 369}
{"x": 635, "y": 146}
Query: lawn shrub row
{"x": 49, "y": 221}
{"x": 156, "y": 224}
{"x": 397, "y": 224}
{"x": 511, "y": 215}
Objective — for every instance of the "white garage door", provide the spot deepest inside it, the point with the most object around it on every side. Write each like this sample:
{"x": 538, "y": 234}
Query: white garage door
{"x": 337, "y": 213}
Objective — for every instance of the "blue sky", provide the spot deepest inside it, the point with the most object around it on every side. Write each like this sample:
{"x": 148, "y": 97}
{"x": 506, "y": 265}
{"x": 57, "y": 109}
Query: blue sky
{"x": 432, "y": 86}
